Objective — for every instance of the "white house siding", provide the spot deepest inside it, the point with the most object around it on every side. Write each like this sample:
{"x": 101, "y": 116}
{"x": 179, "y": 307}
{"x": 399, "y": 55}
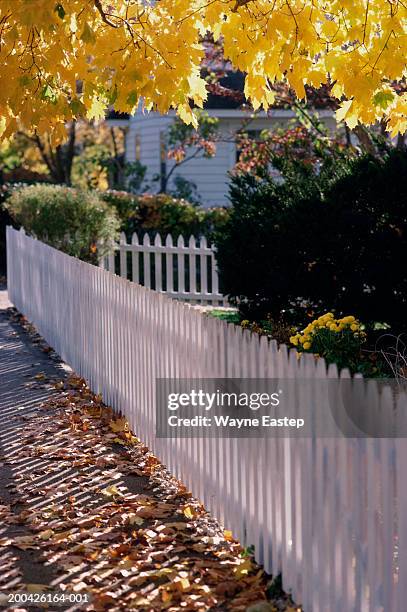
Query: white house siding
{"x": 148, "y": 128}
{"x": 210, "y": 175}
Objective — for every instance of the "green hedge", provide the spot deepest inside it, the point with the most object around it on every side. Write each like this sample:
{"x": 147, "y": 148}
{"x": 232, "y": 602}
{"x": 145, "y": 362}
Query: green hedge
{"x": 74, "y": 221}
{"x": 164, "y": 214}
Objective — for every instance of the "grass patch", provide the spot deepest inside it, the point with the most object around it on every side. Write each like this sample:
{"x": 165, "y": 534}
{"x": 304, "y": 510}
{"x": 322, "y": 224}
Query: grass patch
{"x": 231, "y": 316}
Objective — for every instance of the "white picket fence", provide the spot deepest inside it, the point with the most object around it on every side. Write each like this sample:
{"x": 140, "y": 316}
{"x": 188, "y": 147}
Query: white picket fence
{"x": 329, "y": 513}
{"x": 183, "y": 271}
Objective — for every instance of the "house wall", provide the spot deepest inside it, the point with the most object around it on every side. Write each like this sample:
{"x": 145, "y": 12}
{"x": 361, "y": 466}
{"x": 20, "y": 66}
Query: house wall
{"x": 147, "y": 127}
{"x": 209, "y": 175}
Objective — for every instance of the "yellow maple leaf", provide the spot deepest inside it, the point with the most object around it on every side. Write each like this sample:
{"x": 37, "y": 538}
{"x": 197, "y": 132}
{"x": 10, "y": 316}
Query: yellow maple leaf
{"x": 343, "y": 110}
{"x": 198, "y": 89}
{"x": 111, "y": 491}
{"x": 187, "y": 115}
{"x": 228, "y": 535}
{"x": 189, "y": 512}
{"x": 97, "y": 109}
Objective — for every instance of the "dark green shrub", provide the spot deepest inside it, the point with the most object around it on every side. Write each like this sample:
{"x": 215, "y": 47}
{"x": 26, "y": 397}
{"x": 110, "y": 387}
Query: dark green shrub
{"x": 76, "y": 222}
{"x": 312, "y": 242}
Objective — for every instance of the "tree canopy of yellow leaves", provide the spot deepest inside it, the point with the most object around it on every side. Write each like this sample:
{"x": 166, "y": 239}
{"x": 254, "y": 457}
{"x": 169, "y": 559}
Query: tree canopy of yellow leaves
{"x": 65, "y": 59}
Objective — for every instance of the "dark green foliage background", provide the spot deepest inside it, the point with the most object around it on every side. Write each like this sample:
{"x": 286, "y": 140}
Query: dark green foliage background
{"x": 331, "y": 240}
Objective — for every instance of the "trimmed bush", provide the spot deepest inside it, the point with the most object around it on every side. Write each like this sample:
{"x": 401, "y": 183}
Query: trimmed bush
{"x": 74, "y": 221}
{"x": 164, "y": 214}
{"x": 124, "y": 202}
{"x": 313, "y": 243}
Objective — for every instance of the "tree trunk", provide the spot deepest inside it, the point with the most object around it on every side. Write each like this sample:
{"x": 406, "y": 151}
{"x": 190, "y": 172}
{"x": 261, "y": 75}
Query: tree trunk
{"x": 365, "y": 140}
{"x": 401, "y": 141}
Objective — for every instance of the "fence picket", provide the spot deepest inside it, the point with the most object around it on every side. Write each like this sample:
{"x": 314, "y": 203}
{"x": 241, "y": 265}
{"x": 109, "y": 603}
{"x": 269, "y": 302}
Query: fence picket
{"x": 204, "y": 266}
{"x": 169, "y": 266}
{"x": 123, "y": 256}
{"x": 157, "y": 264}
{"x": 192, "y": 264}
{"x": 135, "y": 275}
{"x": 181, "y": 265}
{"x": 146, "y": 261}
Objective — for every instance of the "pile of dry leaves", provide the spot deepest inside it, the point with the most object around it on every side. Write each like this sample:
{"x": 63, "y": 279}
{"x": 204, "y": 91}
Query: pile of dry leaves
{"x": 107, "y": 519}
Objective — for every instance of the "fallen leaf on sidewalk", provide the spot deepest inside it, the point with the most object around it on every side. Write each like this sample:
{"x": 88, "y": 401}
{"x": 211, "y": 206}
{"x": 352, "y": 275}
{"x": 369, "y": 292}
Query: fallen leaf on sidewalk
{"x": 190, "y": 512}
{"x": 243, "y": 568}
{"x": 111, "y": 491}
{"x": 228, "y": 535}
{"x": 36, "y": 588}
{"x": 119, "y": 425}
{"x": 22, "y": 542}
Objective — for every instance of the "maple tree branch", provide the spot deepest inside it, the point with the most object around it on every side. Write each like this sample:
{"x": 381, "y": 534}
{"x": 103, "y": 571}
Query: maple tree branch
{"x": 180, "y": 163}
{"x": 41, "y": 148}
{"x": 364, "y": 138}
{"x": 99, "y": 7}
{"x": 365, "y": 24}
{"x": 308, "y": 117}
{"x": 198, "y": 10}
{"x": 382, "y": 51}
{"x": 70, "y": 154}
{"x": 240, "y": 3}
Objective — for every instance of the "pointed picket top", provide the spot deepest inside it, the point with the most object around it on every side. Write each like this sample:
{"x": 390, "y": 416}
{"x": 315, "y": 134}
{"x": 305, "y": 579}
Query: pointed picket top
{"x": 292, "y": 358}
{"x": 146, "y": 239}
{"x": 332, "y": 371}
{"x": 123, "y": 239}
{"x": 168, "y": 241}
{"x": 192, "y": 242}
{"x": 204, "y": 243}
{"x": 180, "y": 241}
{"x": 345, "y": 373}
{"x": 157, "y": 240}
{"x": 134, "y": 238}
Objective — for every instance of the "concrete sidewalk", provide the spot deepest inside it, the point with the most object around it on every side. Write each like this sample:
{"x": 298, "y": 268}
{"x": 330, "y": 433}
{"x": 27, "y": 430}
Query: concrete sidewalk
{"x": 21, "y": 394}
